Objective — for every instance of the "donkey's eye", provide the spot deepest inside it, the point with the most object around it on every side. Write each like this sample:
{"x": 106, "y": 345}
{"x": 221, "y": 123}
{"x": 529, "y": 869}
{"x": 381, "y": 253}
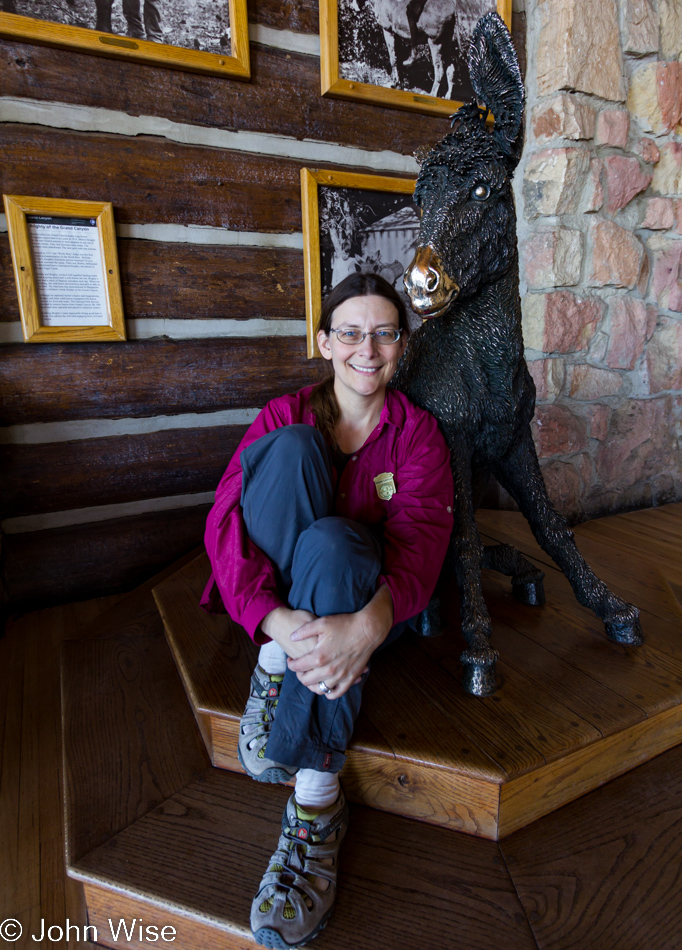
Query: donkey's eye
{"x": 480, "y": 192}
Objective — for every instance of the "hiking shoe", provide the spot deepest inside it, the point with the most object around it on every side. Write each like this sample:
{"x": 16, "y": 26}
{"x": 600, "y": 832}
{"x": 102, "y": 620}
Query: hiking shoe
{"x": 297, "y": 892}
{"x": 254, "y": 729}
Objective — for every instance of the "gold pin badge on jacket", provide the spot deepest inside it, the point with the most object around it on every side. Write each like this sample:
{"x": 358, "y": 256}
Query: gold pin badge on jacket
{"x": 385, "y": 486}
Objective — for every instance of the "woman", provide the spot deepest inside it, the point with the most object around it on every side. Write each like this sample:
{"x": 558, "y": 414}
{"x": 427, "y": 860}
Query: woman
{"x": 327, "y": 535}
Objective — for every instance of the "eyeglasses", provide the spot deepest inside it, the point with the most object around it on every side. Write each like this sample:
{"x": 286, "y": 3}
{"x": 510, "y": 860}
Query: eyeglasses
{"x": 384, "y": 337}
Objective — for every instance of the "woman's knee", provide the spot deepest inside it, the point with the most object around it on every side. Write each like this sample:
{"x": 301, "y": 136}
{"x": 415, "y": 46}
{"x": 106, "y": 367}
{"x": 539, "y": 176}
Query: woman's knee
{"x": 335, "y": 541}
{"x": 298, "y": 439}
{"x": 335, "y": 568}
{"x": 287, "y": 459}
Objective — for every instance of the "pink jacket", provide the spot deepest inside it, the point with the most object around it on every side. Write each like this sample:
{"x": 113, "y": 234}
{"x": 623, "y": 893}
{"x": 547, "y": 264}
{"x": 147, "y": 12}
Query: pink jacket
{"x": 417, "y": 520}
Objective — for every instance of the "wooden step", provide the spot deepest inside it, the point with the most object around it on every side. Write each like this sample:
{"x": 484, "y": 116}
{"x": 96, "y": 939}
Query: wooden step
{"x": 196, "y": 861}
{"x": 572, "y": 710}
{"x": 159, "y": 837}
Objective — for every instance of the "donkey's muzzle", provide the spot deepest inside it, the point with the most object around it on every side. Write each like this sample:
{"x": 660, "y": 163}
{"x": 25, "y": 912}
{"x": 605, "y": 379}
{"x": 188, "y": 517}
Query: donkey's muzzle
{"x": 431, "y": 290}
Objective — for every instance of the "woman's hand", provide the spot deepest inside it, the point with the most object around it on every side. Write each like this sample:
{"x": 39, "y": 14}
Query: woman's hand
{"x": 344, "y": 644}
{"x": 282, "y": 622}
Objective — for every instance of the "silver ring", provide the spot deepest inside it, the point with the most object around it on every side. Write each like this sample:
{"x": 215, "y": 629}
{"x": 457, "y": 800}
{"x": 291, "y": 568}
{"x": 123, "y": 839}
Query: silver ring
{"x": 322, "y": 686}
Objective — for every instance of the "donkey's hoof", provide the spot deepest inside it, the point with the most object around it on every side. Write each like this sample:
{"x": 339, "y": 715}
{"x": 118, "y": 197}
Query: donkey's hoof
{"x": 478, "y": 671}
{"x": 479, "y": 680}
{"x": 625, "y": 628}
{"x": 428, "y": 623}
{"x": 530, "y": 592}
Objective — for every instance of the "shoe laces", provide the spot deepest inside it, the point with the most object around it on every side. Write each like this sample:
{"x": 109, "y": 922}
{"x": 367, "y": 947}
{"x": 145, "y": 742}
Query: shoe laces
{"x": 260, "y": 709}
{"x": 303, "y": 853}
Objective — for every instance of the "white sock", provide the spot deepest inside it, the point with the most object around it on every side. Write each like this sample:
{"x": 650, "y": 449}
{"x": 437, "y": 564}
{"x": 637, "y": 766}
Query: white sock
{"x": 272, "y": 659}
{"x": 315, "y": 790}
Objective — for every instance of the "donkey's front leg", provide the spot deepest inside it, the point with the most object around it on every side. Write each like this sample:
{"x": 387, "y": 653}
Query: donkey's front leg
{"x": 466, "y": 552}
{"x": 519, "y": 472}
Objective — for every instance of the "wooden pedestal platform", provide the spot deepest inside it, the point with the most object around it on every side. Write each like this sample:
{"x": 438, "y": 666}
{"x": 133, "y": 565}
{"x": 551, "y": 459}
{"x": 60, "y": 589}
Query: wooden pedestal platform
{"x": 572, "y": 710}
{"x": 157, "y": 836}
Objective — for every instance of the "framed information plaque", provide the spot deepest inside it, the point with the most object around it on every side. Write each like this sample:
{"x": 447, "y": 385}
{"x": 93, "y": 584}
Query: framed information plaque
{"x": 66, "y": 269}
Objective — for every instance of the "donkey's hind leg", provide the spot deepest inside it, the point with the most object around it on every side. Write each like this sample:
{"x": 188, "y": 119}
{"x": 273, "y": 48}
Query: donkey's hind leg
{"x": 527, "y": 586}
{"x": 519, "y": 472}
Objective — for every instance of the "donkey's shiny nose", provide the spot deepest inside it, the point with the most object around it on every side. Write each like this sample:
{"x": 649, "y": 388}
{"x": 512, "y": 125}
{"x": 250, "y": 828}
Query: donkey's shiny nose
{"x": 430, "y": 289}
{"x": 431, "y": 282}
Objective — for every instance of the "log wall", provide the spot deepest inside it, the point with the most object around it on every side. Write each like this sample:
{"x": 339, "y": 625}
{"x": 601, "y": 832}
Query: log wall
{"x": 110, "y": 453}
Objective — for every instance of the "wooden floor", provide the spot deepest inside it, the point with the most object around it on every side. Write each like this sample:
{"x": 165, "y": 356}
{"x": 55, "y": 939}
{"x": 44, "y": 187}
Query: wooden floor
{"x": 33, "y": 884}
{"x": 602, "y": 873}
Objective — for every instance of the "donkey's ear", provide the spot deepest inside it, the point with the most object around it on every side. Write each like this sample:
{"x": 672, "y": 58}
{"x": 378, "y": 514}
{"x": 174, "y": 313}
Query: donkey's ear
{"x": 496, "y": 78}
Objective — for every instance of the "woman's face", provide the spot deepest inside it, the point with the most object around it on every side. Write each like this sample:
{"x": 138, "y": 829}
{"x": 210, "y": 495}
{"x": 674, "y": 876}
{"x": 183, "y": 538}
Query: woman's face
{"x": 366, "y": 367}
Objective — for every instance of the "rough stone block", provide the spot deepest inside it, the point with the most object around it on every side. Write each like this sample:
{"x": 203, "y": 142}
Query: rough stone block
{"x": 591, "y": 383}
{"x": 648, "y": 150}
{"x": 598, "y": 347}
{"x": 560, "y": 322}
{"x": 579, "y": 48}
{"x": 557, "y": 431}
{"x": 667, "y": 178}
{"x": 533, "y": 321}
{"x": 548, "y": 376}
{"x": 641, "y": 27}
{"x": 552, "y": 181}
{"x": 612, "y": 128}
{"x": 677, "y": 209}
{"x": 585, "y": 469}
{"x": 592, "y": 197}
{"x": 553, "y": 258}
{"x": 669, "y": 81}
{"x": 625, "y": 178}
{"x": 651, "y": 319}
{"x": 664, "y": 356}
{"x": 564, "y": 116}
{"x": 655, "y": 96}
{"x": 598, "y": 420}
{"x": 666, "y": 280}
{"x": 644, "y": 273}
{"x": 639, "y": 438}
{"x": 628, "y": 331}
{"x": 659, "y": 214}
{"x": 616, "y": 255}
{"x": 670, "y": 12}
{"x": 563, "y": 487}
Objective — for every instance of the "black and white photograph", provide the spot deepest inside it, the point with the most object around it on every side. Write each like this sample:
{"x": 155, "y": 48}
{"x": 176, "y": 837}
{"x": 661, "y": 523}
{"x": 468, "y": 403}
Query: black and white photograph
{"x": 202, "y": 25}
{"x": 418, "y": 46}
{"x": 366, "y": 231}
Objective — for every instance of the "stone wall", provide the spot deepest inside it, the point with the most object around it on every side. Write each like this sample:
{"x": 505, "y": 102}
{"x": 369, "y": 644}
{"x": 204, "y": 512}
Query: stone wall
{"x": 599, "y": 195}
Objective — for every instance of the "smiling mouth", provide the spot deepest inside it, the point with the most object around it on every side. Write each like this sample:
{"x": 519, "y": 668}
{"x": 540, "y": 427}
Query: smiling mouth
{"x": 365, "y": 370}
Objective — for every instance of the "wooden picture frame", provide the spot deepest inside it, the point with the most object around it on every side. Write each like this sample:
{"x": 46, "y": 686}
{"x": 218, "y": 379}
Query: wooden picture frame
{"x": 311, "y": 182}
{"x": 335, "y": 85}
{"x": 235, "y": 65}
{"x": 97, "y": 213}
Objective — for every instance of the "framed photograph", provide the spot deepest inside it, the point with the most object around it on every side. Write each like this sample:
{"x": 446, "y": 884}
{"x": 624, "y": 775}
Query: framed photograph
{"x": 408, "y": 54}
{"x": 354, "y": 223}
{"x": 65, "y": 269}
{"x": 206, "y": 36}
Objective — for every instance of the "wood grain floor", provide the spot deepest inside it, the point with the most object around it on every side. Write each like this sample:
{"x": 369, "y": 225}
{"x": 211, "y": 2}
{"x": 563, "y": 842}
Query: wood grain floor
{"x": 602, "y": 873}
{"x": 33, "y": 884}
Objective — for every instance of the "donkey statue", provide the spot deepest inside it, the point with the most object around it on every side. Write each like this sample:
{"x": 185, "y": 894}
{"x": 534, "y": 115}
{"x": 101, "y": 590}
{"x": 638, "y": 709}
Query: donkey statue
{"x": 465, "y": 363}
